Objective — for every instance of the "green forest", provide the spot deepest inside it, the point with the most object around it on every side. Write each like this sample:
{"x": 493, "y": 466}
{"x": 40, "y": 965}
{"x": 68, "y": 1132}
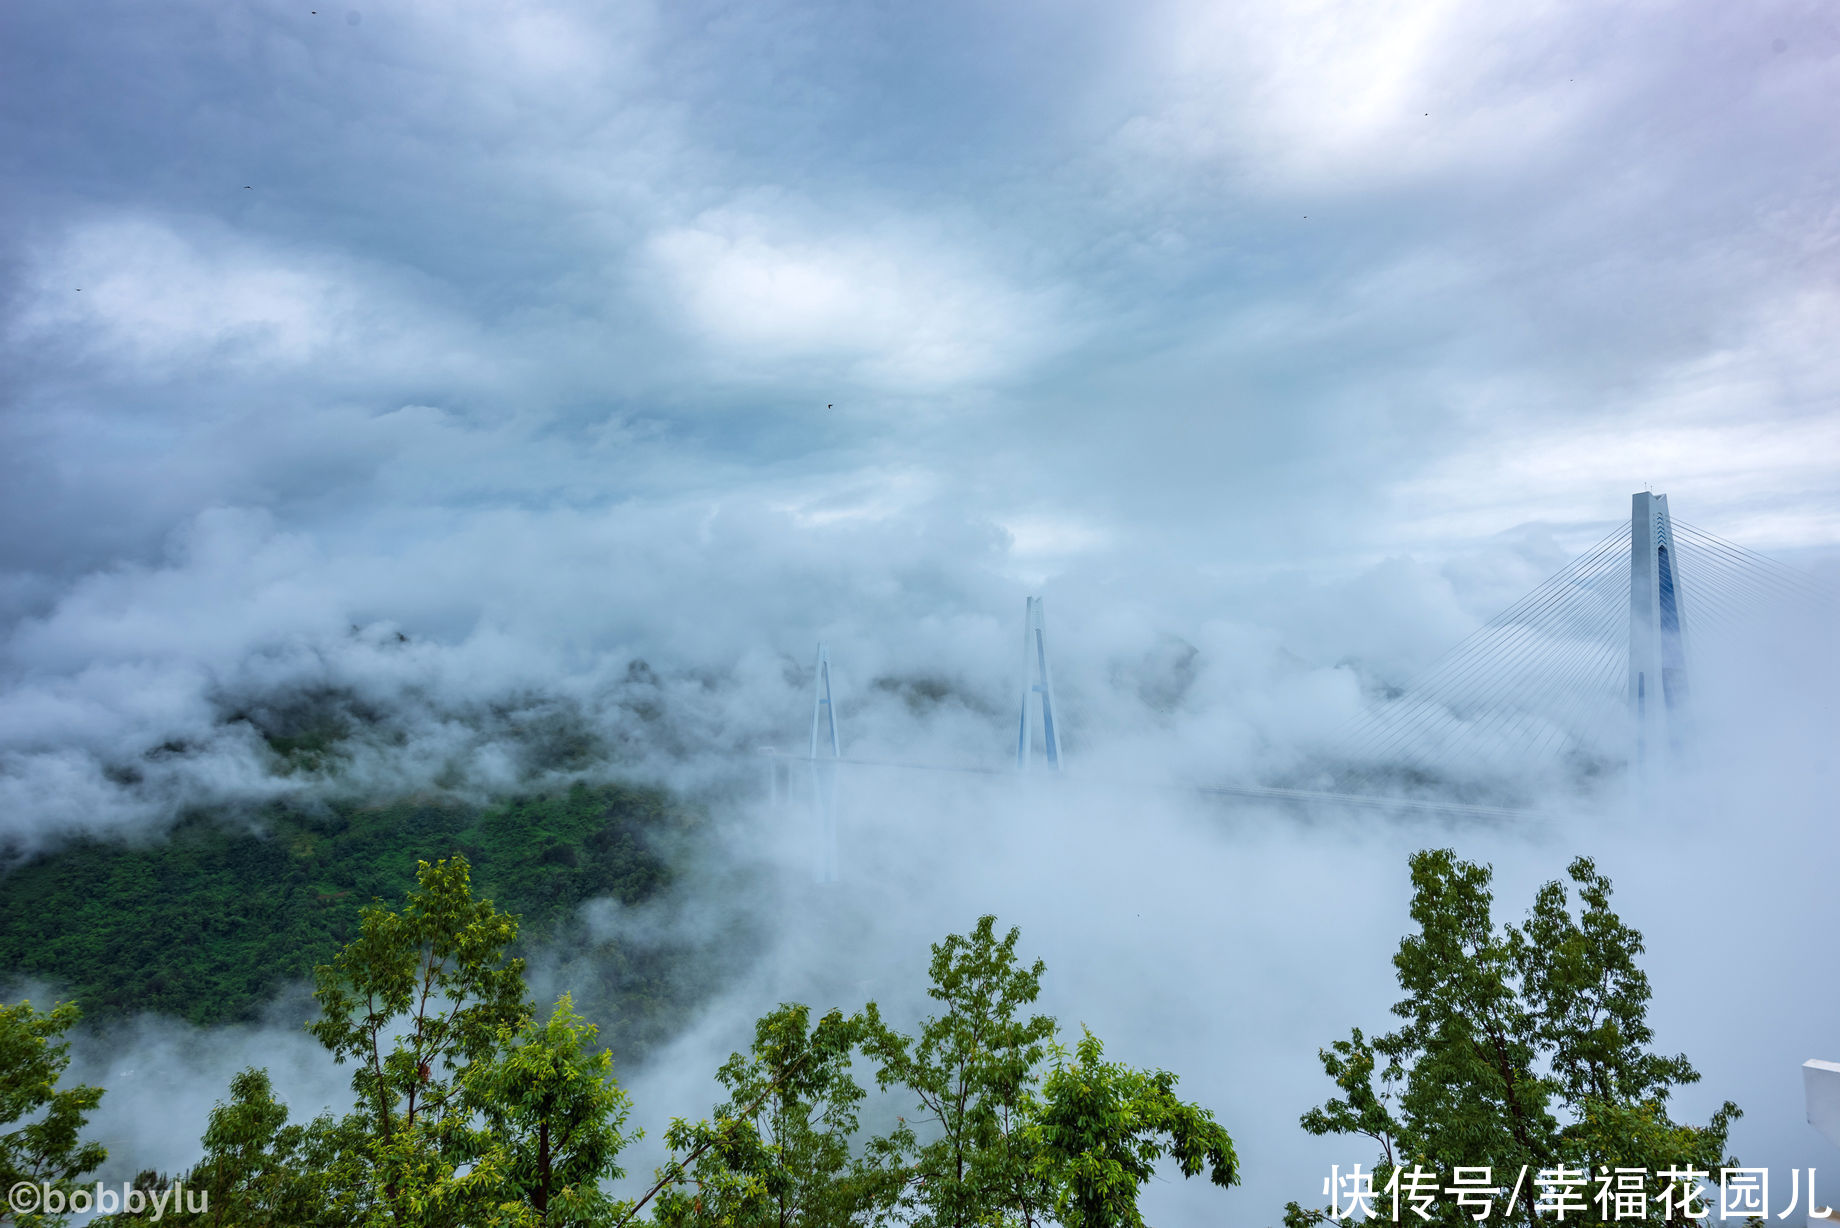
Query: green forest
{"x": 1519, "y": 1046}
{"x": 209, "y": 923}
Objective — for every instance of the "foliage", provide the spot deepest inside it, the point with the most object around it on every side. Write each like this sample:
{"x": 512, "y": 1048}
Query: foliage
{"x": 470, "y": 1113}
{"x": 780, "y": 1152}
{"x": 551, "y": 1123}
{"x": 1007, "y": 1145}
{"x": 973, "y": 1070}
{"x": 437, "y": 970}
{"x": 1522, "y": 1047}
{"x": 44, "y": 1145}
{"x": 208, "y": 924}
{"x": 1101, "y": 1129}
{"x": 258, "y": 1170}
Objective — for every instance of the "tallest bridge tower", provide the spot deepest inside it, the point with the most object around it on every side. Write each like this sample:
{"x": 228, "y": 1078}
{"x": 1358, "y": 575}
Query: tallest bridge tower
{"x": 1657, "y": 655}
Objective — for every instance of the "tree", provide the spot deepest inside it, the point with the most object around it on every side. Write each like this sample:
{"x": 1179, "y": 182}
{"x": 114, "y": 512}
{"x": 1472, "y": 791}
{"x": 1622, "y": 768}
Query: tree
{"x": 973, "y": 1070}
{"x": 551, "y": 1124}
{"x": 1522, "y": 1048}
{"x": 473, "y": 1115}
{"x": 46, "y": 1147}
{"x": 779, "y": 1153}
{"x": 258, "y": 1170}
{"x": 1013, "y": 1142}
{"x": 419, "y": 996}
{"x": 469, "y": 1113}
{"x": 1101, "y": 1128}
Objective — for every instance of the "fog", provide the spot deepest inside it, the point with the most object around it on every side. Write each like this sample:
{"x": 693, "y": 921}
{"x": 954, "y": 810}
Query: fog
{"x": 522, "y": 392}
{"x": 1219, "y": 938}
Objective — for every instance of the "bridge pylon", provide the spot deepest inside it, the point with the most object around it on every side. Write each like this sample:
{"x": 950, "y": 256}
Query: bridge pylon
{"x": 1657, "y": 648}
{"x": 824, "y": 769}
{"x": 1037, "y": 680}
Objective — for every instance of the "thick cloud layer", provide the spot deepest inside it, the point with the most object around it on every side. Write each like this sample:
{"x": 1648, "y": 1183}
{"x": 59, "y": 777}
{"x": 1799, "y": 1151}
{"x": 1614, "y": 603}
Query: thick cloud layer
{"x": 521, "y": 391}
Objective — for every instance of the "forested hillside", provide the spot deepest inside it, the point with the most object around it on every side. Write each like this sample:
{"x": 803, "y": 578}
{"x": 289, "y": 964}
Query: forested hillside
{"x": 210, "y": 922}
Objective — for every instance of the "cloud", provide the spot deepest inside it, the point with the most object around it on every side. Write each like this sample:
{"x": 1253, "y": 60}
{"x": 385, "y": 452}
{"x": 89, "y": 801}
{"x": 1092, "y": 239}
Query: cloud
{"x": 134, "y": 295}
{"x": 1315, "y": 97}
{"x": 897, "y": 309}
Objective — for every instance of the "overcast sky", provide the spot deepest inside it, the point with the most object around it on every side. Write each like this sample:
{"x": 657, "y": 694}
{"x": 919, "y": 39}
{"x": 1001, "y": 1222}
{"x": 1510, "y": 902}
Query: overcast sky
{"x": 1262, "y": 338}
{"x": 1125, "y": 282}
{"x": 699, "y": 330}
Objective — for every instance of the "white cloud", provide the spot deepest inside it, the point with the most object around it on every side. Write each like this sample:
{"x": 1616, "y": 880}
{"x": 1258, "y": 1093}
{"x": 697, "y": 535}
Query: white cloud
{"x": 895, "y": 307}
{"x": 1742, "y": 436}
{"x": 153, "y": 300}
{"x": 1325, "y": 97}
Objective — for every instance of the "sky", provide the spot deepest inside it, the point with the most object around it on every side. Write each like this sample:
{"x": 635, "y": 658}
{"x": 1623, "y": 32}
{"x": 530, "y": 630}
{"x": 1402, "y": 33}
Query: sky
{"x": 502, "y": 373}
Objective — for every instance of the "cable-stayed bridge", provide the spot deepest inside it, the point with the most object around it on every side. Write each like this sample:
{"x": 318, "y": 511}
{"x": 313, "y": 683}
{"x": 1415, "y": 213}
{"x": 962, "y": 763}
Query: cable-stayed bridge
{"x": 1591, "y": 670}
{"x": 1588, "y": 674}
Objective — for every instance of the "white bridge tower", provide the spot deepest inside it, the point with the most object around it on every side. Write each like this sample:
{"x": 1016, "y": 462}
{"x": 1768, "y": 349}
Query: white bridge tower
{"x": 1036, "y": 681}
{"x": 824, "y": 770}
{"x": 1657, "y": 653}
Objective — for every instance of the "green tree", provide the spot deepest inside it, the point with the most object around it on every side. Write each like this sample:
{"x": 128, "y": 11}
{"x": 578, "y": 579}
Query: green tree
{"x": 44, "y": 1145}
{"x": 973, "y": 1070}
{"x": 418, "y": 997}
{"x": 1580, "y": 977}
{"x": 779, "y": 1153}
{"x": 1522, "y": 1048}
{"x": 1101, "y": 1128}
{"x": 1011, "y": 1141}
{"x": 471, "y": 1114}
{"x": 258, "y": 1170}
{"x": 551, "y": 1122}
